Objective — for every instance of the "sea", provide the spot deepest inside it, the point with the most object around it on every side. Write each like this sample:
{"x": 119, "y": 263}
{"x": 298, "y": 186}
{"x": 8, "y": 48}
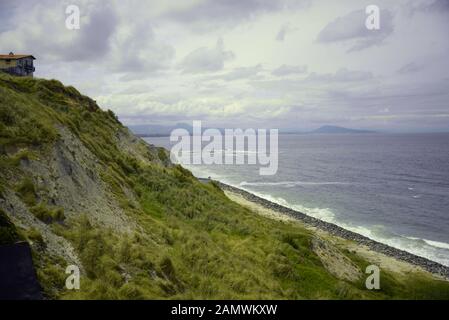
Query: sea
{"x": 392, "y": 188}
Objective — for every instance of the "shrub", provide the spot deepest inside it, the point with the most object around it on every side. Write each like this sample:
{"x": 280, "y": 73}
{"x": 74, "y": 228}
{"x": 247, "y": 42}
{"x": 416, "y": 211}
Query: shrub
{"x": 167, "y": 268}
{"x": 182, "y": 175}
{"x": 35, "y": 236}
{"x": 112, "y": 115}
{"x": 162, "y": 155}
{"x": 47, "y": 215}
{"x": 131, "y": 291}
{"x": 7, "y": 116}
{"x": 27, "y": 191}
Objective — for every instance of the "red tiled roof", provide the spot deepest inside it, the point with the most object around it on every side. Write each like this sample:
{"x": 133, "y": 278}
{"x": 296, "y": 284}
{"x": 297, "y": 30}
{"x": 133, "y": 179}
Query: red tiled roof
{"x": 15, "y": 56}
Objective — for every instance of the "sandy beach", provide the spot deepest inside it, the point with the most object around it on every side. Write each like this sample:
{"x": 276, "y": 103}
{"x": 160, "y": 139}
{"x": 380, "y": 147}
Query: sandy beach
{"x": 384, "y": 256}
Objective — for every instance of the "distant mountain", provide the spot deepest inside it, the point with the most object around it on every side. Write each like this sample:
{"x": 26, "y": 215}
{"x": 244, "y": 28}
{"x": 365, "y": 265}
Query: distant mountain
{"x": 338, "y": 130}
{"x": 152, "y": 130}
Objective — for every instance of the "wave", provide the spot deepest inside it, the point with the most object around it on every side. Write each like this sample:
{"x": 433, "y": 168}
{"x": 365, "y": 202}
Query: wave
{"x": 221, "y": 151}
{"x": 324, "y": 214}
{"x": 291, "y": 184}
{"x": 436, "y": 244}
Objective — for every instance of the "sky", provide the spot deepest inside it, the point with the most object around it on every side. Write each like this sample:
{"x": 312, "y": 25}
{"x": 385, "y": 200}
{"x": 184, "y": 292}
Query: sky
{"x": 287, "y": 64}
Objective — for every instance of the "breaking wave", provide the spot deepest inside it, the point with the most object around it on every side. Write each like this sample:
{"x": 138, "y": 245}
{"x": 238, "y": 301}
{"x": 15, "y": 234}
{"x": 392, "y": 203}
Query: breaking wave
{"x": 291, "y": 183}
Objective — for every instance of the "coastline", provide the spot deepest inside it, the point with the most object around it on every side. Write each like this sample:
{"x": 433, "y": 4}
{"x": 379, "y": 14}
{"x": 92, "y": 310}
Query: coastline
{"x": 285, "y": 213}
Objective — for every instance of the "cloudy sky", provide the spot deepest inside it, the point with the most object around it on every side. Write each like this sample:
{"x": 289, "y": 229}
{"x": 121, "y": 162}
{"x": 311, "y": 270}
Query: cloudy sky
{"x": 246, "y": 63}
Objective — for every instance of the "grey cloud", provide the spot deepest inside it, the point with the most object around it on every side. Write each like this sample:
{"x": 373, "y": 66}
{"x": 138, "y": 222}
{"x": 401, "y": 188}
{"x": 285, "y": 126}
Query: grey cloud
{"x": 440, "y": 6}
{"x": 410, "y": 68}
{"x": 241, "y": 73}
{"x": 206, "y": 59}
{"x": 281, "y": 34}
{"x": 379, "y": 103}
{"x": 288, "y": 70}
{"x": 231, "y": 11}
{"x": 108, "y": 38}
{"x": 283, "y": 31}
{"x": 93, "y": 42}
{"x": 141, "y": 55}
{"x": 342, "y": 75}
{"x": 351, "y": 28}
{"x": 7, "y": 11}
{"x": 44, "y": 32}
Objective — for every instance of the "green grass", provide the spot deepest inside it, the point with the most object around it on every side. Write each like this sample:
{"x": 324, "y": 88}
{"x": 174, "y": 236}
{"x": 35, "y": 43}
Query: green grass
{"x": 192, "y": 242}
{"x": 47, "y": 215}
{"x": 27, "y": 191}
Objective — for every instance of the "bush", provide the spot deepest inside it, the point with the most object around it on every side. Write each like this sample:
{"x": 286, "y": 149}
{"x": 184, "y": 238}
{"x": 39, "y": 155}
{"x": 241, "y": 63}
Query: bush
{"x": 167, "y": 268}
{"x": 47, "y": 215}
{"x": 131, "y": 291}
{"x": 35, "y": 236}
{"x": 27, "y": 191}
{"x": 112, "y": 115}
{"x": 162, "y": 155}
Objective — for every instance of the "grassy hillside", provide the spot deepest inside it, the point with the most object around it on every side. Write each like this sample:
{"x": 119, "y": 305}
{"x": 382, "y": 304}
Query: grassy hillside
{"x": 154, "y": 231}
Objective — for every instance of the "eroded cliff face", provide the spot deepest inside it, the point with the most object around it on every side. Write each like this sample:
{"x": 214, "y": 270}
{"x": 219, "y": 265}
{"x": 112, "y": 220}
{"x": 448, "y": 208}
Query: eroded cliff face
{"x": 67, "y": 175}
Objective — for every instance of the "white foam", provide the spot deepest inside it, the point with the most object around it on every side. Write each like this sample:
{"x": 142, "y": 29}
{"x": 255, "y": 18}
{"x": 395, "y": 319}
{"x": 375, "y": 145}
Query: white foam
{"x": 291, "y": 183}
{"x": 436, "y": 244}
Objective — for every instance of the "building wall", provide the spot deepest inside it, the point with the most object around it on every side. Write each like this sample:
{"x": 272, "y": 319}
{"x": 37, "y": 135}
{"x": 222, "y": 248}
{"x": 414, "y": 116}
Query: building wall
{"x": 18, "y": 67}
{"x": 6, "y": 64}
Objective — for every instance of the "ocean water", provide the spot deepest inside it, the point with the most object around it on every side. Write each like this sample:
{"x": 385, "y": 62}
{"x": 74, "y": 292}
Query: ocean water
{"x": 392, "y": 188}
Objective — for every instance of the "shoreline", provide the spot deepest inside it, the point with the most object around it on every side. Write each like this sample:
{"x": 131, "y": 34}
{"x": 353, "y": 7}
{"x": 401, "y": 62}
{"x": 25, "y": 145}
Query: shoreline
{"x": 426, "y": 264}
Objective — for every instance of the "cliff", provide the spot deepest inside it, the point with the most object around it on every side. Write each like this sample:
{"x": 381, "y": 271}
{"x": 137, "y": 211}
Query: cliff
{"x": 82, "y": 190}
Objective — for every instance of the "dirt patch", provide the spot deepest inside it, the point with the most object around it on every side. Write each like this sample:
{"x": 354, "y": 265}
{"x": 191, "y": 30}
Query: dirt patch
{"x": 334, "y": 261}
{"x": 272, "y": 214}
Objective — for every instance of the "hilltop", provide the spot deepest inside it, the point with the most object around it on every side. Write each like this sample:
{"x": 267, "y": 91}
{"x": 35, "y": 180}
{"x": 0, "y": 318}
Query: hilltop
{"x": 81, "y": 189}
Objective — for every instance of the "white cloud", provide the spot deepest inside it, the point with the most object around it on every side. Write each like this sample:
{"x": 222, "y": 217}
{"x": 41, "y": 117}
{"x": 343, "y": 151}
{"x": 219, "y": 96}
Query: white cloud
{"x": 342, "y": 75}
{"x": 351, "y": 29}
{"x": 285, "y": 70}
{"x": 206, "y": 59}
{"x": 244, "y": 73}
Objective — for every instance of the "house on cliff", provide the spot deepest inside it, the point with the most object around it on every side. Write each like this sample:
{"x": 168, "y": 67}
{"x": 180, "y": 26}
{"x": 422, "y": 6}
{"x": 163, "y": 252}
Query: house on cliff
{"x": 17, "y": 64}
